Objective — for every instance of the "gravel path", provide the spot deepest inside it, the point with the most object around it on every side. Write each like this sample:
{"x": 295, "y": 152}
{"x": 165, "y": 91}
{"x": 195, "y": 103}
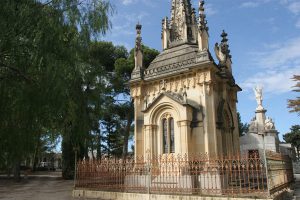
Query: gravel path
{"x": 37, "y": 187}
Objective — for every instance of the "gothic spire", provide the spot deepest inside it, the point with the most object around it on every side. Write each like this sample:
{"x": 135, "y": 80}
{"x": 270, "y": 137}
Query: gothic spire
{"x": 138, "y": 39}
{"x": 202, "y": 28}
{"x": 202, "y": 17}
{"x": 137, "y": 73}
{"x": 182, "y": 21}
{"x": 224, "y": 43}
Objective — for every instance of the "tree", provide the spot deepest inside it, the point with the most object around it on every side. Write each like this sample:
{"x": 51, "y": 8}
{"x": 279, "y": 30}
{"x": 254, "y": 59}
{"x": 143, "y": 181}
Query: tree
{"x": 123, "y": 69}
{"x": 294, "y": 104}
{"x": 243, "y": 128}
{"x": 293, "y": 137}
{"x": 42, "y": 52}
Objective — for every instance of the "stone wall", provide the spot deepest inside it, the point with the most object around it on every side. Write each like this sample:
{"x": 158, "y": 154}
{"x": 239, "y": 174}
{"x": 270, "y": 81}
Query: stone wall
{"x": 296, "y": 167}
{"x": 83, "y": 194}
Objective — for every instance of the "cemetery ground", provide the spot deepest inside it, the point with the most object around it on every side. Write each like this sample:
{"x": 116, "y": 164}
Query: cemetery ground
{"x": 37, "y": 186}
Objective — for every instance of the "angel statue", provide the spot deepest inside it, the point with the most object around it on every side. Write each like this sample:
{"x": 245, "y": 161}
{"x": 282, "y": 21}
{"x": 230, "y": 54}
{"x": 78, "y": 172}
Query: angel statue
{"x": 258, "y": 95}
{"x": 221, "y": 54}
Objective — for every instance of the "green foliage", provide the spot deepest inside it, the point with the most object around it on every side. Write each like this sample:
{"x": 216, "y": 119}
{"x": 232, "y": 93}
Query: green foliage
{"x": 42, "y": 49}
{"x": 125, "y": 109}
{"x": 243, "y": 128}
{"x": 294, "y": 104}
{"x": 293, "y": 137}
{"x": 56, "y": 82}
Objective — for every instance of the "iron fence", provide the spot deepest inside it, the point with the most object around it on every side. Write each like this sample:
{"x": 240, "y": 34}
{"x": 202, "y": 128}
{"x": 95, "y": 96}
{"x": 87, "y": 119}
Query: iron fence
{"x": 198, "y": 174}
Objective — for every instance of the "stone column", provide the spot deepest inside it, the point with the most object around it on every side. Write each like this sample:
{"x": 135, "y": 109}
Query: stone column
{"x": 184, "y": 136}
{"x": 138, "y": 128}
{"x": 260, "y": 119}
{"x": 150, "y": 141}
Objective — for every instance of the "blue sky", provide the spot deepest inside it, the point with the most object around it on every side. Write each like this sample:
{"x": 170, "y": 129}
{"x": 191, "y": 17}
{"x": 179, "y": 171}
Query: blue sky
{"x": 264, "y": 39}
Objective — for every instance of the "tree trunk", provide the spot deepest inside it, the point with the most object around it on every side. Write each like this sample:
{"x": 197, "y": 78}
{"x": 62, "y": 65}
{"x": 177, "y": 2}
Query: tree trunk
{"x": 68, "y": 158}
{"x": 86, "y": 150}
{"x": 99, "y": 145}
{"x": 17, "y": 174}
{"x": 35, "y": 157}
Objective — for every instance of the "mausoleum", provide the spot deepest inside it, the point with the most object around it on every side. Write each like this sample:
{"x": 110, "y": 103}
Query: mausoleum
{"x": 185, "y": 102}
{"x": 186, "y": 129}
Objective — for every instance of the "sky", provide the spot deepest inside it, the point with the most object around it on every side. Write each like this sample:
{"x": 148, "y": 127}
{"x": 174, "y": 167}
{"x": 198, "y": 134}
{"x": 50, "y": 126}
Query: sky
{"x": 264, "y": 39}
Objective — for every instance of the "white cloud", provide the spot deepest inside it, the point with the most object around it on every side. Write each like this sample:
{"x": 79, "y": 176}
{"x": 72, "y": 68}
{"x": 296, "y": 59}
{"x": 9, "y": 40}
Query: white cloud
{"x": 294, "y": 7}
{"x": 298, "y": 24}
{"x": 273, "y": 82}
{"x": 253, "y": 4}
{"x": 127, "y": 2}
{"x": 286, "y": 54}
{"x": 249, "y": 4}
{"x": 146, "y": 2}
{"x": 277, "y": 65}
{"x": 210, "y": 10}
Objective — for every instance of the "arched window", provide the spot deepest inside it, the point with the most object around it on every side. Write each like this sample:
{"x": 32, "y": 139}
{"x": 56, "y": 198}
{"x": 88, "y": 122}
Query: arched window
{"x": 168, "y": 135}
{"x": 172, "y": 142}
{"x": 165, "y": 136}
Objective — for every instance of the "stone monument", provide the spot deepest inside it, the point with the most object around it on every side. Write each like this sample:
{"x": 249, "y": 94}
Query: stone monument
{"x": 262, "y": 133}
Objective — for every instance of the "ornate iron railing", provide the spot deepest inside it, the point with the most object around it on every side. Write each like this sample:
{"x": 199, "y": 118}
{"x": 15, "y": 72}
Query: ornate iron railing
{"x": 199, "y": 174}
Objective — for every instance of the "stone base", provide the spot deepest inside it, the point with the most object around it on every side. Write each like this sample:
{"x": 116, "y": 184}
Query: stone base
{"x": 89, "y": 194}
{"x": 201, "y": 184}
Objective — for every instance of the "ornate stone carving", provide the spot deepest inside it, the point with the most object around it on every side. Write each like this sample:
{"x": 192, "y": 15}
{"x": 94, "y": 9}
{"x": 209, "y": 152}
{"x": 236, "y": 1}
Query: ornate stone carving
{"x": 253, "y": 127}
{"x": 138, "y": 40}
{"x": 269, "y": 124}
{"x": 202, "y": 17}
{"x": 163, "y": 85}
{"x": 222, "y": 51}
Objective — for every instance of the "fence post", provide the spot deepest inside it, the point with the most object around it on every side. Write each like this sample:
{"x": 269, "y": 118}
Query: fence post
{"x": 266, "y": 165}
{"x": 149, "y": 177}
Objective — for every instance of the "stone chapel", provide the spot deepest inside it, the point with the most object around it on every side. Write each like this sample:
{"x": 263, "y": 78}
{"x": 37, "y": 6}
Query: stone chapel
{"x": 185, "y": 102}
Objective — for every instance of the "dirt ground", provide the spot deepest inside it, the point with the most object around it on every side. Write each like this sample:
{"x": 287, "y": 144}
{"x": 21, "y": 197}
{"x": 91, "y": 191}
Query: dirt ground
{"x": 41, "y": 186}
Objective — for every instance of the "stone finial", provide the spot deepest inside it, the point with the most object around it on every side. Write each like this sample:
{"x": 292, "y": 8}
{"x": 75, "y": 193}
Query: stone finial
{"x": 222, "y": 52}
{"x": 138, "y": 40}
{"x": 202, "y": 17}
{"x": 138, "y": 71}
{"x": 202, "y": 28}
{"x": 224, "y": 44}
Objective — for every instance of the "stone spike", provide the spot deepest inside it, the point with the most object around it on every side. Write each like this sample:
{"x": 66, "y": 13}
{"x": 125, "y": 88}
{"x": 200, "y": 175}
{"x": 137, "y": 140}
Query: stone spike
{"x": 202, "y": 16}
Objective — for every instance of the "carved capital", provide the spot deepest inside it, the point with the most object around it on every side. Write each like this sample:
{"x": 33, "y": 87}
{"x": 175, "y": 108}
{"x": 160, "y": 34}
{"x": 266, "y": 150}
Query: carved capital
{"x": 184, "y": 123}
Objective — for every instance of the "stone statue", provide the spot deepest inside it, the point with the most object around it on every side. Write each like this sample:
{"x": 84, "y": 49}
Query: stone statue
{"x": 258, "y": 95}
{"x": 222, "y": 51}
{"x": 253, "y": 127}
{"x": 220, "y": 54}
{"x": 269, "y": 124}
